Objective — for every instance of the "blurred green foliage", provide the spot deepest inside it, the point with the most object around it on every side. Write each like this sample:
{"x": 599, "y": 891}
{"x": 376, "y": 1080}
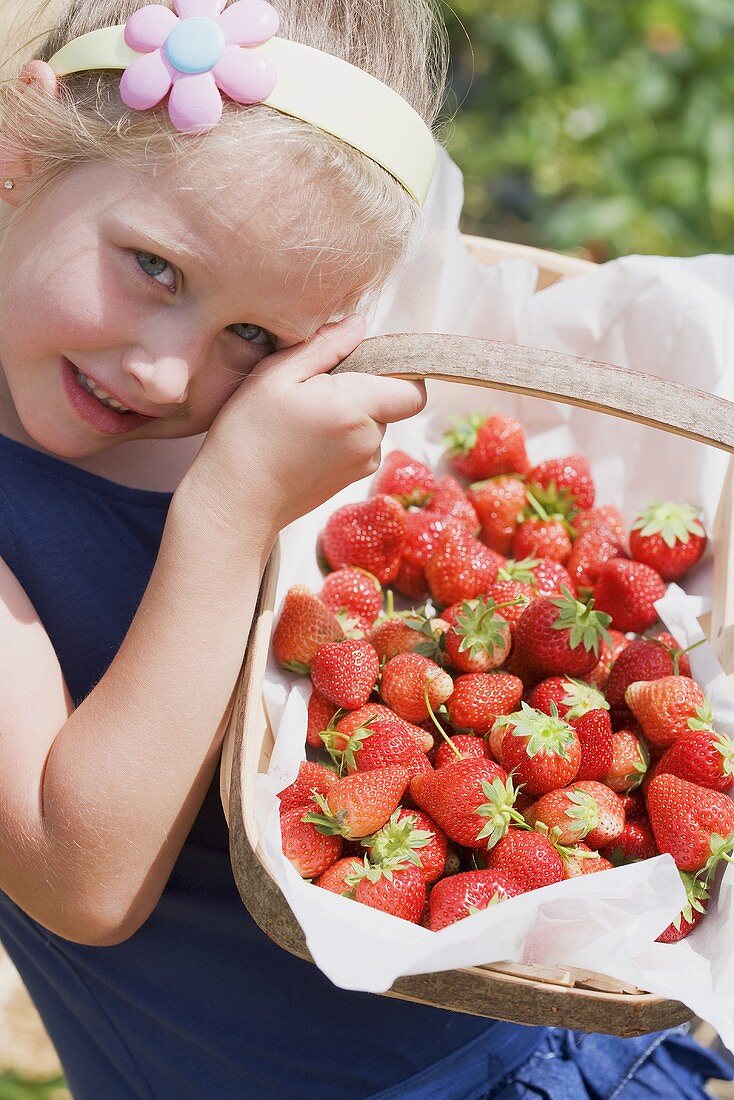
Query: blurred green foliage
{"x": 16, "y": 1088}
{"x": 604, "y": 125}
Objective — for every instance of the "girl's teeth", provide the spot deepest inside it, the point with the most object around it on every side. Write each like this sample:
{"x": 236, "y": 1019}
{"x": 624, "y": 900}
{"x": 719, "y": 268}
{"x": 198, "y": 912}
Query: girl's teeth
{"x": 105, "y": 398}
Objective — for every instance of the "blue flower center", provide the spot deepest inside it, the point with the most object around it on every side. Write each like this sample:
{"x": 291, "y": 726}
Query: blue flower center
{"x": 195, "y": 45}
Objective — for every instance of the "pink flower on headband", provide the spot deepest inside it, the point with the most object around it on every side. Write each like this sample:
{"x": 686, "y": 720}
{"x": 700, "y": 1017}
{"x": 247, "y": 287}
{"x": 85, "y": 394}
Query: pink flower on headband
{"x": 195, "y": 54}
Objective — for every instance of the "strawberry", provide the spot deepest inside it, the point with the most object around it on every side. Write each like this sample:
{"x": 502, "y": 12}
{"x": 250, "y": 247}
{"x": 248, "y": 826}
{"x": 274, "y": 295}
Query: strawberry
{"x": 514, "y": 596}
{"x": 560, "y": 636}
{"x": 311, "y": 778}
{"x": 479, "y": 638}
{"x": 472, "y": 800}
{"x": 479, "y": 698}
{"x": 669, "y": 537}
{"x": 584, "y": 811}
{"x": 636, "y": 841}
{"x": 334, "y": 877}
{"x": 572, "y": 698}
{"x": 303, "y": 627}
{"x": 594, "y": 731}
{"x": 421, "y": 534}
{"x": 609, "y": 516}
{"x": 411, "y": 684}
{"x": 697, "y": 899}
{"x": 595, "y": 545}
{"x": 599, "y": 676}
{"x": 664, "y": 708}
{"x": 410, "y": 837}
{"x": 309, "y": 850}
{"x": 581, "y": 860}
{"x": 353, "y": 593}
{"x": 499, "y": 503}
{"x": 406, "y": 632}
{"x": 571, "y": 473}
{"x": 634, "y": 806}
{"x": 629, "y": 762}
{"x": 627, "y": 591}
{"x": 361, "y": 803}
{"x": 366, "y": 751}
{"x": 380, "y": 719}
{"x": 320, "y": 713}
{"x": 547, "y": 577}
{"x": 369, "y": 535}
{"x": 408, "y": 480}
{"x": 346, "y": 672}
{"x": 527, "y": 859}
{"x": 481, "y": 447}
{"x": 464, "y": 894}
{"x": 539, "y": 537}
{"x": 681, "y": 664}
{"x": 642, "y": 659}
{"x": 398, "y": 889}
{"x": 542, "y": 750}
{"x": 451, "y": 502}
{"x": 465, "y": 744}
{"x": 460, "y": 567}
{"x": 703, "y": 757}
{"x": 693, "y": 824}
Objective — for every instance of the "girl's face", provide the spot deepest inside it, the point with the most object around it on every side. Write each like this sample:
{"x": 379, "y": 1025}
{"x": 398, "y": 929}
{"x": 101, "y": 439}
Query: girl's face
{"x": 118, "y": 288}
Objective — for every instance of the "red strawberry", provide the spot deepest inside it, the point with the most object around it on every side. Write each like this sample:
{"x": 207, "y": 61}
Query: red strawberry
{"x": 572, "y": 698}
{"x": 399, "y": 890}
{"x": 628, "y": 590}
{"x": 345, "y": 672}
{"x": 560, "y": 636}
{"x": 463, "y": 744}
{"x": 584, "y": 811}
{"x": 703, "y": 757}
{"x": 669, "y": 537}
{"x": 629, "y": 762}
{"x": 595, "y": 545}
{"x": 320, "y": 713}
{"x": 514, "y": 596}
{"x": 594, "y": 731}
{"x": 461, "y": 567}
{"x": 380, "y": 719}
{"x": 581, "y": 860}
{"x": 542, "y": 750}
{"x": 421, "y": 534}
{"x": 547, "y": 577}
{"x": 481, "y": 447}
{"x": 664, "y": 708}
{"x": 462, "y": 895}
{"x": 697, "y": 899}
{"x": 634, "y": 806}
{"x": 366, "y": 751}
{"x": 405, "y": 478}
{"x": 599, "y": 676}
{"x": 361, "y": 803}
{"x": 479, "y": 638}
{"x": 693, "y": 824}
{"x": 636, "y": 841}
{"x": 609, "y": 516}
{"x": 681, "y": 664}
{"x": 309, "y": 850}
{"x": 471, "y": 800}
{"x": 355, "y": 593}
{"x": 410, "y": 837}
{"x": 369, "y": 535}
{"x": 311, "y": 778}
{"x": 303, "y": 627}
{"x": 334, "y": 877}
{"x": 479, "y": 698}
{"x": 572, "y": 473}
{"x": 451, "y": 502}
{"x": 406, "y": 682}
{"x": 527, "y": 859}
{"x": 543, "y": 538}
{"x": 499, "y": 503}
{"x": 643, "y": 659}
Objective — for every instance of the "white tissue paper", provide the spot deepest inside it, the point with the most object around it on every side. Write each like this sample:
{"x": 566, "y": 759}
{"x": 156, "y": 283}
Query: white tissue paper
{"x": 670, "y": 317}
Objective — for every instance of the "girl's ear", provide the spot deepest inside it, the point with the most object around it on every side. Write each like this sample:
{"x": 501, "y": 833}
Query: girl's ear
{"x": 16, "y": 166}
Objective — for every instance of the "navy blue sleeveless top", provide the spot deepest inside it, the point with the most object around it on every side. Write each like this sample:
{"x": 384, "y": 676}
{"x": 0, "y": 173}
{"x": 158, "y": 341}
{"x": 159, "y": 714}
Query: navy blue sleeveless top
{"x": 199, "y": 1003}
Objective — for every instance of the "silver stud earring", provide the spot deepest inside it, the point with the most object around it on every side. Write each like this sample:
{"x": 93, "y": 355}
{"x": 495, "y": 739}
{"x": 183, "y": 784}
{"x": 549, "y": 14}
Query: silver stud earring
{"x": 9, "y": 185}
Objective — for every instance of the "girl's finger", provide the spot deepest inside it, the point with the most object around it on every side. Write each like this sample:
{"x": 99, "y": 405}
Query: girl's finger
{"x": 320, "y": 353}
{"x": 385, "y": 400}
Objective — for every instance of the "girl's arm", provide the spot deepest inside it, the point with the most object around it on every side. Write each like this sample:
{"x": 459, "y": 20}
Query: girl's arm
{"x": 95, "y": 804}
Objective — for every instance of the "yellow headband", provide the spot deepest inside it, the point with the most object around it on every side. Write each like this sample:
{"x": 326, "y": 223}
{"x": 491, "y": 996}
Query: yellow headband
{"x": 310, "y": 85}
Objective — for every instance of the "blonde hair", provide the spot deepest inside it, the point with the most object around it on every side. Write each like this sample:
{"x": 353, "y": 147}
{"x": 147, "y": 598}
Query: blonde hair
{"x": 363, "y": 215}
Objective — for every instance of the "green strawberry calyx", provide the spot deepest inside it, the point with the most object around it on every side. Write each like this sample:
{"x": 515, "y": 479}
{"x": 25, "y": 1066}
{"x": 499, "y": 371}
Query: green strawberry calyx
{"x": 547, "y": 502}
{"x": 522, "y": 571}
{"x": 583, "y": 812}
{"x": 545, "y": 733}
{"x": 398, "y": 841}
{"x": 720, "y": 848}
{"x": 580, "y": 698}
{"x": 499, "y": 810}
{"x": 704, "y": 720}
{"x": 373, "y": 872}
{"x": 672, "y": 521}
{"x": 461, "y": 439}
{"x": 587, "y": 627}
{"x": 326, "y": 822}
{"x": 724, "y": 745}
{"x": 483, "y": 630}
{"x": 696, "y": 894}
{"x": 346, "y": 758}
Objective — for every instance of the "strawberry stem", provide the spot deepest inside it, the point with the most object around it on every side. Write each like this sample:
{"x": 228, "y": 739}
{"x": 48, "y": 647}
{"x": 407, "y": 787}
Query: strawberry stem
{"x": 438, "y": 725}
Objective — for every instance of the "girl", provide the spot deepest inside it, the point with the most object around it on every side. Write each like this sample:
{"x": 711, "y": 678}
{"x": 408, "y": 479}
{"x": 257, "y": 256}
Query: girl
{"x": 167, "y": 272}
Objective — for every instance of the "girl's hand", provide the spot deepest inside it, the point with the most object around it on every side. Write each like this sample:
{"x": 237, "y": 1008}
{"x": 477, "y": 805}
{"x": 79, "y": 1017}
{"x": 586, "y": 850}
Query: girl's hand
{"x": 291, "y": 436}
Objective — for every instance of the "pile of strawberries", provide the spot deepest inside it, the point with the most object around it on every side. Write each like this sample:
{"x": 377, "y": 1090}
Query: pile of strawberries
{"x": 513, "y": 725}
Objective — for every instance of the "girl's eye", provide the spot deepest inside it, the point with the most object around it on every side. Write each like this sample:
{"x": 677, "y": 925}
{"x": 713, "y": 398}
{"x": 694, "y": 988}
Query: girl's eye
{"x": 154, "y": 266}
{"x": 253, "y": 334}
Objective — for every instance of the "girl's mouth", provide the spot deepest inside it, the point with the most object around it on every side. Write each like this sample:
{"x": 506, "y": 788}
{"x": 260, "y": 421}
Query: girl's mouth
{"x": 105, "y": 398}
{"x": 96, "y": 407}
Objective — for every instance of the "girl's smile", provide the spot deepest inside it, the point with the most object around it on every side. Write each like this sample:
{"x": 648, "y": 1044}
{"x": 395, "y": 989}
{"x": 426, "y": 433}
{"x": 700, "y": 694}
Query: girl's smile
{"x": 98, "y": 408}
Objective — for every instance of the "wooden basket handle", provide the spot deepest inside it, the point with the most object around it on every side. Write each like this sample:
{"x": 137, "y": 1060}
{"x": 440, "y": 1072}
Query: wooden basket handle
{"x": 555, "y": 376}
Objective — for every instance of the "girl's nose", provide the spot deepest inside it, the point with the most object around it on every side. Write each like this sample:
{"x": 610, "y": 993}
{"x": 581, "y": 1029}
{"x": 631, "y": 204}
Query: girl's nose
{"x": 163, "y": 378}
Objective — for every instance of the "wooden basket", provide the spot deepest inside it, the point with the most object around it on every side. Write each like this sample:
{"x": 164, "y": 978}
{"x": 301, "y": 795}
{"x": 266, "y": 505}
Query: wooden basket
{"x": 559, "y": 996}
